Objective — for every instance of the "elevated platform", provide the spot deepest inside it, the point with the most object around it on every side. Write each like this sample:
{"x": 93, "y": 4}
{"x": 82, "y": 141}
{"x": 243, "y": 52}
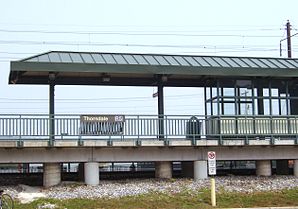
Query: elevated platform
{"x": 107, "y": 138}
{"x": 144, "y": 154}
{"x": 141, "y": 143}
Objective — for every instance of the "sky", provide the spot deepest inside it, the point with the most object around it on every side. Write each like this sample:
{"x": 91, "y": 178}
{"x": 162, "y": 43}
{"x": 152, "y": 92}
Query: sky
{"x": 195, "y": 27}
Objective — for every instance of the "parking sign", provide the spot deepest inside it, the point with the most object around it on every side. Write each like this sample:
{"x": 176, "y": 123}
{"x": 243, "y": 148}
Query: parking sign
{"x": 211, "y": 163}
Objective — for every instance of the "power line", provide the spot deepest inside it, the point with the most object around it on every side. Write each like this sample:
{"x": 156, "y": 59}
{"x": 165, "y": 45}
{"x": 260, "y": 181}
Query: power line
{"x": 205, "y": 47}
{"x": 96, "y": 98}
{"x": 144, "y": 26}
{"x": 96, "y": 107}
{"x": 6, "y": 52}
{"x": 28, "y": 42}
{"x": 135, "y": 33}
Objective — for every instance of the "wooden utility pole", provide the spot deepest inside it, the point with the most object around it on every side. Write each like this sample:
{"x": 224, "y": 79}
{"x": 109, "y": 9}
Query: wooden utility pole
{"x": 289, "y": 39}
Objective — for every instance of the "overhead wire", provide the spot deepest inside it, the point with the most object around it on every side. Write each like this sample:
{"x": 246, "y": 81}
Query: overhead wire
{"x": 92, "y": 100}
{"x": 129, "y": 33}
{"x": 214, "y": 33}
{"x": 136, "y": 33}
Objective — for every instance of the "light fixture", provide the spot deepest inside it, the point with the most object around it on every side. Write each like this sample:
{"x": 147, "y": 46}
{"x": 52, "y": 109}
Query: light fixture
{"x": 164, "y": 78}
{"x": 52, "y": 76}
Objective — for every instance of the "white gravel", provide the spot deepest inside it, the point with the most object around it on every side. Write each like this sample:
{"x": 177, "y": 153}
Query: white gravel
{"x": 113, "y": 189}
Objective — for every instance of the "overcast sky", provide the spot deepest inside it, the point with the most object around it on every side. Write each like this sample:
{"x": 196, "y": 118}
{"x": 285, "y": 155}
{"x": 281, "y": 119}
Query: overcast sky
{"x": 236, "y": 28}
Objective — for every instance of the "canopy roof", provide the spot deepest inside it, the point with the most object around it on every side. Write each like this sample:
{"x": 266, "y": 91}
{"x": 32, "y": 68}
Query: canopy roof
{"x": 90, "y": 68}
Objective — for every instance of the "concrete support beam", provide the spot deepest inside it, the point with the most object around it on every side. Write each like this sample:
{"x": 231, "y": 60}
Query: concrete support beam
{"x": 51, "y": 174}
{"x": 200, "y": 170}
{"x": 187, "y": 169}
{"x": 144, "y": 154}
{"x": 163, "y": 170}
{"x": 296, "y": 168}
{"x": 282, "y": 167}
{"x": 263, "y": 168}
{"x": 91, "y": 173}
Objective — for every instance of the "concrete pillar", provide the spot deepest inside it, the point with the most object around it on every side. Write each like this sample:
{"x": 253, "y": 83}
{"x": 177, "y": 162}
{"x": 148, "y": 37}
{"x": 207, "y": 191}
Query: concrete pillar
{"x": 163, "y": 170}
{"x": 295, "y": 168}
{"x": 91, "y": 173}
{"x": 263, "y": 167}
{"x": 187, "y": 169}
{"x": 200, "y": 170}
{"x": 282, "y": 167}
{"x": 51, "y": 174}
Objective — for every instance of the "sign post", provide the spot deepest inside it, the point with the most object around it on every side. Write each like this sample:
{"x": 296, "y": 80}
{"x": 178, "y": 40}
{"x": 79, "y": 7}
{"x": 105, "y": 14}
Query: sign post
{"x": 212, "y": 172}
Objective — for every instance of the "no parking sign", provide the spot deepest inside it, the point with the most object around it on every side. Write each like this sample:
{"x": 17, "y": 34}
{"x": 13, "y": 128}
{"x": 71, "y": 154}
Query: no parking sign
{"x": 211, "y": 163}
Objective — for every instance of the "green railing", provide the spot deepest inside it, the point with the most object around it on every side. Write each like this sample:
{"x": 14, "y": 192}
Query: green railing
{"x": 142, "y": 127}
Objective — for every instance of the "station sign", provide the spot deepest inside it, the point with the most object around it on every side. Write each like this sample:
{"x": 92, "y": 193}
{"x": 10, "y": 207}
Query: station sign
{"x": 102, "y": 124}
{"x": 211, "y": 163}
{"x": 102, "y": 118}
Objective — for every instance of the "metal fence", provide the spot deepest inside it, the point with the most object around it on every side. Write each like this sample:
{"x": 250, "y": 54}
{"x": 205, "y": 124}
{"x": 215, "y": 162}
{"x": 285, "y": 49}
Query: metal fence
{"x": 147, "y": 127}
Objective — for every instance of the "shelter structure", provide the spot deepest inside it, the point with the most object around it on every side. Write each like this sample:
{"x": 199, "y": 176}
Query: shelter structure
{"x": 232, "y": 84}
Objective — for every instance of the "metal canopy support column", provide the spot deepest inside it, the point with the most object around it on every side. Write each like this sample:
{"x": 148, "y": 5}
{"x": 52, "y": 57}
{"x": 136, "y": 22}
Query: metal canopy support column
{"x": 260, "y": 100}
{"x": 52, "y": 108}
{"x": 160, "y": 106}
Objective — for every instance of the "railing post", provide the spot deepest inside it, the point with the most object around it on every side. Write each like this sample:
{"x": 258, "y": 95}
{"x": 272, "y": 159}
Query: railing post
{"x": 20, "y": 142}
{"x": 79, "y": 129}
{"x": 139, "y": 141}
{"x": 220, "y": 131}
{"x": 138, "y": 126}
{"x": 161, "y": 127}
{"x": 52, "y": 129}
{"x": 272, "y": 140}
{"x": 165, "y": 120}
{"x": 295, "y": 121}
{"x": 289, "y": 125}
{"x": 193, "y": 130}
{"x": 80, "y": 141}
{"x": 246, "y": 131}
{"x": 110, "y": 141}
{"x": 254, "y": 126}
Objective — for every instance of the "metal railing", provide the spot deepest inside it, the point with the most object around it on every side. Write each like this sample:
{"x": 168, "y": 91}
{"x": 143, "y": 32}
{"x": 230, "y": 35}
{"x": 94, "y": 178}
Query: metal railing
{"x": 142, "y": 127}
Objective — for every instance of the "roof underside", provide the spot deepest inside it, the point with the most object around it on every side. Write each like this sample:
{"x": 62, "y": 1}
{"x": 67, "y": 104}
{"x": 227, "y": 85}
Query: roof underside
{"x": 85, "y": 68}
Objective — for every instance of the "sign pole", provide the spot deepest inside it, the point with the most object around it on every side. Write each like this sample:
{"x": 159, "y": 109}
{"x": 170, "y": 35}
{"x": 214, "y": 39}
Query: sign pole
{"x": 212, "y": 173}
{"x": 213, "y": 195}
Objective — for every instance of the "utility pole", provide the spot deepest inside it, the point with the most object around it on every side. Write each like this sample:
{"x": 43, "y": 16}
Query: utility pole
{"x": 289, "y": 39}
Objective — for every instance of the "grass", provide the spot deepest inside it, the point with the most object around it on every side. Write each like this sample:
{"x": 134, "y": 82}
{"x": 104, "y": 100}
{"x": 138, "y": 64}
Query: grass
{"x": 259, "y": 199}
{"x": 183, "y": 200}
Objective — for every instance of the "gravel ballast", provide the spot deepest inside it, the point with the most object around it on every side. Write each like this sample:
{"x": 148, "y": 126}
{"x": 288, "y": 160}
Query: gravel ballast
{"x": 114, "y": 189}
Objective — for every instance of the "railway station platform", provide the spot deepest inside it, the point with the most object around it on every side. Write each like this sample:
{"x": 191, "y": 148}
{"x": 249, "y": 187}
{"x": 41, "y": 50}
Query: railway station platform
{"x": 250, "y": 106}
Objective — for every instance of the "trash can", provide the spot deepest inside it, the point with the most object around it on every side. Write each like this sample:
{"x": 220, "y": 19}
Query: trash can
{"x": 193, "y": 129}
